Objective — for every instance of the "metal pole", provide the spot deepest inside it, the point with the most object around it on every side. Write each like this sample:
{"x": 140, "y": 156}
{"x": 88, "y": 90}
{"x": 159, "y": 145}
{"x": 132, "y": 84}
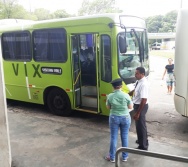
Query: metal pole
{"x": 149, "y": 154}
{"x": 5, "y": 152}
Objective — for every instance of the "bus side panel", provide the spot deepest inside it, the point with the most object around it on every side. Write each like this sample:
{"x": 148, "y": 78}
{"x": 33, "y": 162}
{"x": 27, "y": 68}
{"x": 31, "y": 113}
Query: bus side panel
{"x": 181, "y": 53}
{"x": 15, "y": 80}
{"x": 31, "y": 79}
{"x": 181, "y": 59}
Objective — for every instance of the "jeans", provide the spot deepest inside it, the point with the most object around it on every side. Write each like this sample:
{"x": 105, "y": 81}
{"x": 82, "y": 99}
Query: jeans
{"x": 116, "y": 122}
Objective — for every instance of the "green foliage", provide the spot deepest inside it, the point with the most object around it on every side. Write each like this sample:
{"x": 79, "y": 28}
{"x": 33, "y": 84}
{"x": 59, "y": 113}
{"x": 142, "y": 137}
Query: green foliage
{"x": 7, "y": 9}
{"x": 42, "y": 14}
{"x": 18, "y": 12}
{"x": 161, "y": 23}
{"x": 60, "y": 14}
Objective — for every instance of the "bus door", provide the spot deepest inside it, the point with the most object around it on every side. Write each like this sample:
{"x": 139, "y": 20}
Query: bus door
{"x": 76, "y": 70}
{"x": 85, "y": 72}
{"x": 105, "y": 70}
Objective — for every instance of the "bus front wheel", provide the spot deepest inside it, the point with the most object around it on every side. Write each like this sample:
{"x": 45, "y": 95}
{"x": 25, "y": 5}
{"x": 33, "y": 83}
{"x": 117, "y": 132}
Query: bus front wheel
{"x": 58, "y": 102}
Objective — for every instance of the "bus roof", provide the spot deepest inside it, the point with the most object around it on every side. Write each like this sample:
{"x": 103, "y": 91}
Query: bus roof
{"x": 14, "y": 21}
{"x": 113, "y": 16}
{"x": 17, "y": 24}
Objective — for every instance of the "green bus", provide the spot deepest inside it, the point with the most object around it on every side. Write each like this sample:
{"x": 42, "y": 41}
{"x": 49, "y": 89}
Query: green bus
{"x": 68, "y": 64}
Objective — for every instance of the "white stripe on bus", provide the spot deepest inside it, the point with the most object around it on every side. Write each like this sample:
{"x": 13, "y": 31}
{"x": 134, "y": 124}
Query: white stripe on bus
{"x": 28, "y": 90}
{"x": 27, "y": 84}
{"x": 8, "y": 91}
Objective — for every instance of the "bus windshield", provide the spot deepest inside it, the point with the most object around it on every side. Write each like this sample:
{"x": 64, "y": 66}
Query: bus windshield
{"x": 129, "y": 61}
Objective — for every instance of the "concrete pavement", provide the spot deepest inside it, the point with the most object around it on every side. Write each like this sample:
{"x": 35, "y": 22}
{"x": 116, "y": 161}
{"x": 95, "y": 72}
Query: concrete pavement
{"x": 43, "y": 140}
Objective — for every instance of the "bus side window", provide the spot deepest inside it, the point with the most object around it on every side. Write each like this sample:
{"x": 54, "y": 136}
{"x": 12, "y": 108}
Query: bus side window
{"x": 50, "y": 45}
{"x": 106, "y": 70}
{"x": 16, "y": 46}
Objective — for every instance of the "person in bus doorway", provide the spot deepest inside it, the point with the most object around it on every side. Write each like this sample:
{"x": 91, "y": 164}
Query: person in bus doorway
{"x": 140, "y": 101}
{"x": 119, "y": 104}
{"x": 169, "y": 69}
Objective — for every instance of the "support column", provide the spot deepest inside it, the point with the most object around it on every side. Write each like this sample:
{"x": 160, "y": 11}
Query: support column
{"x": 5, "y": 151}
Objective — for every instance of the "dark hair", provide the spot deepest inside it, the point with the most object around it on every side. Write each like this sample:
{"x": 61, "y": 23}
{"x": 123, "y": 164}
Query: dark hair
{"x": 141, "y": 70}
{"x": 170, "y": 59}
{"x": 117, "y": 87}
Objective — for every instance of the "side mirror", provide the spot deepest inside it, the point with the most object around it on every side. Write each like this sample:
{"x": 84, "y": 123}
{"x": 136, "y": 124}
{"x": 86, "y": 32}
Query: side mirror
{"x": 122, "y": 44}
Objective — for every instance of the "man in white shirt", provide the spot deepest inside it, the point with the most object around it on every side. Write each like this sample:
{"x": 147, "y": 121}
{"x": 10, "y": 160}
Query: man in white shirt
{"x": 140, "y": 100}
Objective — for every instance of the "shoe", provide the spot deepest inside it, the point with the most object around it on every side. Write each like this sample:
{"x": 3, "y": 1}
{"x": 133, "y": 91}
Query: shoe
{"x": 124, "y": 159}
{"x": 140, "y": 148}
{"x": 136, "y": 142}
{"x": 109, "y": 159}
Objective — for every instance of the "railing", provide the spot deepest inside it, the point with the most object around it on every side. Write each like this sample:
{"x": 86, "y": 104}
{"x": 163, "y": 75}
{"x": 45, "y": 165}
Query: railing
{"x": 149, "y": 154}
{"x": 161, "y": 35}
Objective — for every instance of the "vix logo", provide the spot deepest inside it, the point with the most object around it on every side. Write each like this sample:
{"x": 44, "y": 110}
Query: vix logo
{"x": 35, "y": 68}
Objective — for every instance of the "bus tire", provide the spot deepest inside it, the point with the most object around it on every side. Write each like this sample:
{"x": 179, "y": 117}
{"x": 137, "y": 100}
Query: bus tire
{"x": 58, "y": 102}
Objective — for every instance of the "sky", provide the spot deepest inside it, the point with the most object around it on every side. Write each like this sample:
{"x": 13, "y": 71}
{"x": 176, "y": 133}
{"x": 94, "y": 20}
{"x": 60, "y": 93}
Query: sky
{"x": 142, "y": 8}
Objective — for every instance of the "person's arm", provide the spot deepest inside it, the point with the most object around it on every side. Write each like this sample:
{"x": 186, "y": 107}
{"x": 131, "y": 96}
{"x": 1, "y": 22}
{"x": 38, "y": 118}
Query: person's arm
{"x": 108, "y": 107}
{"x": 130, "y": 106}
{"x": 107, "y": 103}
{"x": 164, "y": 74}
{"x": 131, "y": 92}
{"x": 130, "y": 103}
{"x": 141, "y": 106}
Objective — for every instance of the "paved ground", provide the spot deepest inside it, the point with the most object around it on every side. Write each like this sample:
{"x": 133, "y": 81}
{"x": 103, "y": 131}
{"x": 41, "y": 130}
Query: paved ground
{"x": 43, "y": 140}
{"x": 40, "y": 139}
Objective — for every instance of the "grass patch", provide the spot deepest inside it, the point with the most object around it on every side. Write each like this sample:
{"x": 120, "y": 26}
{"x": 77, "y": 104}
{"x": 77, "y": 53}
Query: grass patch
{"x": 163, "y": 53}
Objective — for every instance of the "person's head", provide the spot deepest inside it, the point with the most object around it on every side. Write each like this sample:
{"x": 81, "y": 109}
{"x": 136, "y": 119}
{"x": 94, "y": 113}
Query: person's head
{"x": 117, "y": 83}
{"x": 170, "y": 60}
{"x": 139, "y": 73}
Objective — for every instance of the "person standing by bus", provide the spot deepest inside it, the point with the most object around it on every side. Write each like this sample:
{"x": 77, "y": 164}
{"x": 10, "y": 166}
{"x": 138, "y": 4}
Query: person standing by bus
{"x": 119, "y": 104}
{"x": 140, "y": 100}
{"x": 169, "y": 69}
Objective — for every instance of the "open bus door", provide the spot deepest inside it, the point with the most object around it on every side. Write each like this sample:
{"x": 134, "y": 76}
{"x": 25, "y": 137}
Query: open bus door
{"x": 85, "y": 72}
{"x": 76, "y": 71}
{"x": 105, "y": 66}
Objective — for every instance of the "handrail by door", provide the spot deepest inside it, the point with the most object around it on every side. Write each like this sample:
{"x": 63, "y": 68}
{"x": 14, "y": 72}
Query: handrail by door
{"x": 149, "y": 154}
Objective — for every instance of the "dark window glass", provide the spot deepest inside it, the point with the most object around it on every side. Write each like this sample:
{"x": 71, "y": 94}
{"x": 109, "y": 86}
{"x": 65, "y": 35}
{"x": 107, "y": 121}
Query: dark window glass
{"x": 16, "y": 46}
{"x": 106, "y": 71}
{"x": 50, "y": 45}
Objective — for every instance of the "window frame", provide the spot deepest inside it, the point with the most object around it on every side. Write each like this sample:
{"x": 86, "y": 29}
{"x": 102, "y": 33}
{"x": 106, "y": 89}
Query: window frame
{"x": 48, "y": 30}
{"x": 105, "y": 78}
{"x": 17, "y": 59}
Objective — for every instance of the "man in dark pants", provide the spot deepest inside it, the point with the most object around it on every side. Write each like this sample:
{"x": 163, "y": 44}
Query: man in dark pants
{"x": 140, "y": 96}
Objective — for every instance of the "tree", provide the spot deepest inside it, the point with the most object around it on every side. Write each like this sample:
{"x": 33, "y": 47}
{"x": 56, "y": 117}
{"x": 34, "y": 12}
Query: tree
{"x": 11, "y": 9}
{"x": 98, "y": 6}
{"x": 60, "y": 14}
{"x": 18, "y": 12}
{"x": 169, "y": 21}
{"x": 42, "y": 14}
{"x": 161, "y": 23}
{"x": 7, "y": 8}
{"x": 154, "y": 23}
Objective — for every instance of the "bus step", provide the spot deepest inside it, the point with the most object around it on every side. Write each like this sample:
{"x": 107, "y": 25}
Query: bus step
{"x": 89, "y": 101}
{"x": 88, "y": 109}
{"x": 90, "y": 96}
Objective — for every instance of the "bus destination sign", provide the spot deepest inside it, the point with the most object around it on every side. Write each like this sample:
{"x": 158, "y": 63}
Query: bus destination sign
{"x": 51, "y": 70}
